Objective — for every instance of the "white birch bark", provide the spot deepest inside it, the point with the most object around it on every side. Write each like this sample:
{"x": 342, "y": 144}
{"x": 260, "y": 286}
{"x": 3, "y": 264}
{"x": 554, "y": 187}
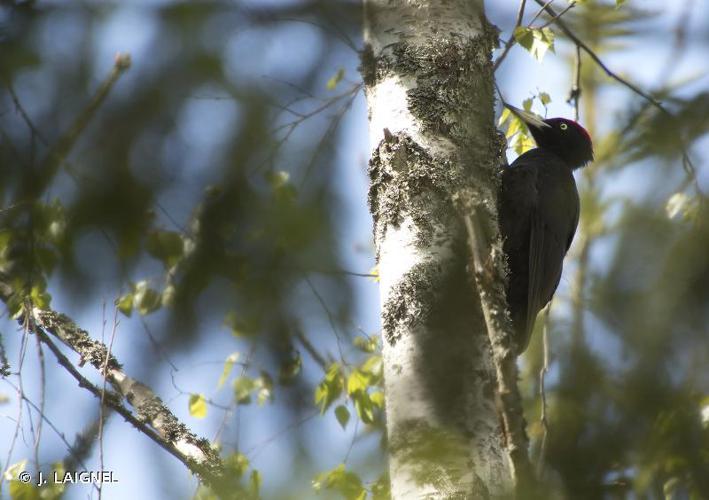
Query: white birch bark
{"x": 428, "y": 82}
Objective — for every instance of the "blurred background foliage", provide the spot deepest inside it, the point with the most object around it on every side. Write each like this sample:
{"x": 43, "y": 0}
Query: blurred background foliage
{"x": 216, "y": 193}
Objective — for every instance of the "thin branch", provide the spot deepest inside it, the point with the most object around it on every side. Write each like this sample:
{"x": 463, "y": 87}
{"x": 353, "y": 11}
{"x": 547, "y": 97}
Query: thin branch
{"x": 542, "y": 393}
{"x": 330, "y": 318}
{"x": 259, "y": 447}
{"x": 151, "y": 417}
{"x": 575, "y": 94}
{"x": 687, "y": 163}
{"x": 539, "y": 12}
{"x": 56, "y": 156}
{"x": 102, "y": 405}
{"x": 23, "y": 113}
{"x": 42, "y": 400}
{"x": 237, "y": 412}
{"x": 511, "y": 40}
{"x": 486, "y": 261}
{"x": 73, "y": 449}
{"x": 111, "y": 399}
{"x": 83, "y": 444}
{"x": 352, "y": 442}
{"x": 20, "y": 391}
{"x": 570, "y": 34}
{"x": 345, "y": 273}
{"x": 553, "y": 19}
{"x": 329, "y": 132}
{"x": 310, "y": 348}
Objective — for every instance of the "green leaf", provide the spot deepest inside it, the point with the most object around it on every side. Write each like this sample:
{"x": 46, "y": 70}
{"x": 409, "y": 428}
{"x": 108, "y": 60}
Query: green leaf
{"x": 347, "y": 484}
{"x": 277, "y": 179}
{"x": 145, "y": 299}
{"x": 166, "y": 246}
{"x": 290, "y": 369}
{"x": 198, "y": 406}
{"x": 536, "y": 40}
{"x": 125, "y": 304}
{"x": 544, "y": 98}
{"x": 504, "y": 116}
{"x": 241, "y": 326}
{"x": 23, "y": 491}
{"x": 343, "y": 415}
{"x": 168, "y": 296}
{"x": 523, "y": 143}
{"x": 228, "y": 367}
{"x": 238, "y": 463}
{"x": 618, "y": 3}
{"x": 365, "y": 344}
{"x": 363, "y": 406}
{"x": 377, "y": 399}
{"x": 335, "y": 79}
{"x": 283, "y": 190}
{"x": 373, "y": 366}
{"x": 357, "y": 381}
{"x": 242, "y": 389}
{"x": 380, "y": 488}
{"x": 514, "y": 127}
{"x": 40, "y": 297}
{"x": 330, "y": 388}
{"x": 681, "y": 204}
{"x": 255, "y": 483}
{"x": 264, "y": 384}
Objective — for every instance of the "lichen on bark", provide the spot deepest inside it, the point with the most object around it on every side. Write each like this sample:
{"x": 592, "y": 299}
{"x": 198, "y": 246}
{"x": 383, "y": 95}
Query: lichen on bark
{"x": 439, "y": 458}
{"x": 405, "y": 180}
{"x": 428, "y": 79}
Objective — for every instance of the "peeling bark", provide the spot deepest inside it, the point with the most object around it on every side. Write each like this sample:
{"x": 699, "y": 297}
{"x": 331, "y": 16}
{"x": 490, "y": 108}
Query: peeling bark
{"x": 428, "y": 81}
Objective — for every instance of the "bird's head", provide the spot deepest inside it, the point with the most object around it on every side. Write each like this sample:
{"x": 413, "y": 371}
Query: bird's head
{"x": 566, "y": 138}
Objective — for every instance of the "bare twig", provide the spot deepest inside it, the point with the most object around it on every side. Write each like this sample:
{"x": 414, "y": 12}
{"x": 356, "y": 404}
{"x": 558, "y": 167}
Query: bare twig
{"x": 539, "y": 12}
{"x": 42, "y": 400}
{"x": 151, "y": 417}
{"x": 489, "y": 278}
{"x": 344, "y": 272}
{"x": 563, "y": 11}
{"x": 687, "y": 163}
{"x": 511, "y": 40}
{"x": 575, "y": 94}
{"x": 259, "y": 447}
{"x": 330, "y": 318}
{"x": 542, "y": 393}
{"x": 20, "y": 393}
{"x": 238, "y": 407}
{"x": 101, "y": 418}
{"x": 72, "y": 449}
{"x": 310, "y": 348}
{"x": 572, "y": 36}
{"x": 55, "y": 157}
{"x": 23, "y": 113}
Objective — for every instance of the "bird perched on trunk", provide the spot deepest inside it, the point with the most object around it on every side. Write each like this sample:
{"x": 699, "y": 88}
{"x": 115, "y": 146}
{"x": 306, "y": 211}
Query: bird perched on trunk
{"x": 539, "y": 213}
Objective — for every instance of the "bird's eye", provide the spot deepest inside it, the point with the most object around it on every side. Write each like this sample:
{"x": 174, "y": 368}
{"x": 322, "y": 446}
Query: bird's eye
{"x": 563, "y": 126}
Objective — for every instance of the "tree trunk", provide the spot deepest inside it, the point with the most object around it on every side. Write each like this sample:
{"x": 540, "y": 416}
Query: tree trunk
{"x": 429, "y": 86}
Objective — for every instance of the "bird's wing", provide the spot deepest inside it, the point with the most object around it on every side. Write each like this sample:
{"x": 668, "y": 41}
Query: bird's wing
{"x": 538, "y": 216}
{"x": 518, "y": 201}
{"x": 546, "y": 256}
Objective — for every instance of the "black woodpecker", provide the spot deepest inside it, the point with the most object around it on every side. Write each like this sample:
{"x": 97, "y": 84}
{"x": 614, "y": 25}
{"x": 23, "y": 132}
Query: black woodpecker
{"x": 539, "y": 213}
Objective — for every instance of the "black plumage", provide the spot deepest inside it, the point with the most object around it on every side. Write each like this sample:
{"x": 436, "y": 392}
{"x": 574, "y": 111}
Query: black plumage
{"x": 539, "y": 213}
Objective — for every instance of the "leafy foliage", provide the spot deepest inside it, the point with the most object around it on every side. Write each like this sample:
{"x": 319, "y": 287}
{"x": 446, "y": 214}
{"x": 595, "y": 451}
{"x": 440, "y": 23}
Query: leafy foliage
{"x": 536, "y": 40}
